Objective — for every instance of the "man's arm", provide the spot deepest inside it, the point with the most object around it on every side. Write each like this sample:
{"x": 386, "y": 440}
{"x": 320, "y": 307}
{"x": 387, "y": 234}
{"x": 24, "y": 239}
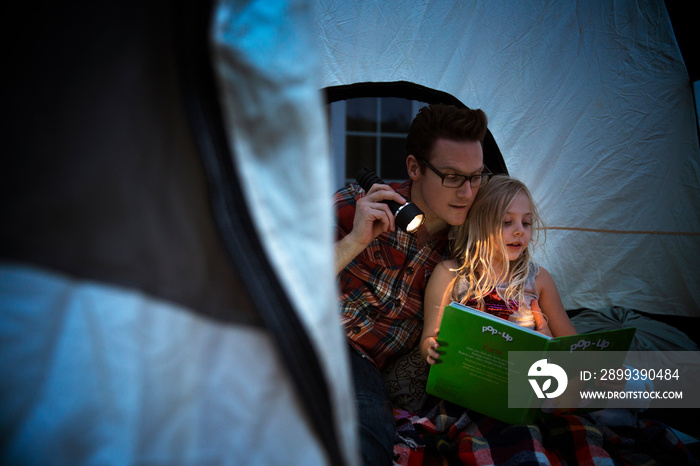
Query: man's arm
{"x": 345, "y": 251}
{"x": 372, "y": 218}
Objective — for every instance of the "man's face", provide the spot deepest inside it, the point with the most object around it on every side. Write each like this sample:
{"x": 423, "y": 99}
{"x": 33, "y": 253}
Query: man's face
{"x": 447, "y": 206}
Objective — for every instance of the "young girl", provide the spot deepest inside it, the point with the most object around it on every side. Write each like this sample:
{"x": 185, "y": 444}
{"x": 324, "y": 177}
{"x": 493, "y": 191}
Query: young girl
{"x": 493, "y": 270}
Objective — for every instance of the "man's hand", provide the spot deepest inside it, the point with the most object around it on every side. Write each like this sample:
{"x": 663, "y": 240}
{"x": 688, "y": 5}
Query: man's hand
{"x": 372, "y": 218}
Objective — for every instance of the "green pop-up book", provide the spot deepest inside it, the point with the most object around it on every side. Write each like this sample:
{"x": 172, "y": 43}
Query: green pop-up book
{"x": 473, "y": 370}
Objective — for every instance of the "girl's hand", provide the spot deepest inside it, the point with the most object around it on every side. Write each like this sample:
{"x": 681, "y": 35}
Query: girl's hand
{"x": 433, "y": 345}
{"x": 540, "y": 321}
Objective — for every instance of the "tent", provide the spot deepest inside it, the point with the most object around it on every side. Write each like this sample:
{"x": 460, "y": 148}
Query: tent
{"x": 166, "y": 247}
{"x": 591, "y": 105}
{"x": 166, "y": 278}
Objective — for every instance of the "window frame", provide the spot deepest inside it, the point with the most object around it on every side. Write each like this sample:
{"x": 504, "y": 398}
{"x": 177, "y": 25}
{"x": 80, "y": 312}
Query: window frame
{"x": 339, "y": 134}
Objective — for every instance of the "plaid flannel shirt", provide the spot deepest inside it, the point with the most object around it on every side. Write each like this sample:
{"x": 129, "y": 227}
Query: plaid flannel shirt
{"x": 382, "y": 289}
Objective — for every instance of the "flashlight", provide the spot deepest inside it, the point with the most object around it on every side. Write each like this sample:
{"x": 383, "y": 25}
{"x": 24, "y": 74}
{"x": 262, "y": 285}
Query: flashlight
{"x": 408, "y": 216}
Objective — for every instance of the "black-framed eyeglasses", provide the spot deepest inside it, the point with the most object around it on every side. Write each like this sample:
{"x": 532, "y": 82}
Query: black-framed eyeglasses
{"x": 452, "y": 180}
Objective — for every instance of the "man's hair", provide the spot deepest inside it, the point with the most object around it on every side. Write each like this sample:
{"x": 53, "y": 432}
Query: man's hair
{"x": 441, "y": 121}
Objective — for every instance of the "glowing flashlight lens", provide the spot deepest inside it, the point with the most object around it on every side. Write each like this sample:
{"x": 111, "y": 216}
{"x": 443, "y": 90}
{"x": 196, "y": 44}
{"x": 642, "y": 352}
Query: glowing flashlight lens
{"x": 408, "y": 216}
{"x": 415, "y": 223}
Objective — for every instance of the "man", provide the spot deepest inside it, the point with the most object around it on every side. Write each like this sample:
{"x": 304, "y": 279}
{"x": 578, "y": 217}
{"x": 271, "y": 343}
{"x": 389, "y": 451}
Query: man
{"x": 383, "y": 270}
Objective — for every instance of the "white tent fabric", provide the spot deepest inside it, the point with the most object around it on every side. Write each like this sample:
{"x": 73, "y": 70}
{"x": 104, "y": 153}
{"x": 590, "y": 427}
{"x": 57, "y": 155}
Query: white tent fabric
{"x": 98, "y": 374}
{"x": 111, "y": 376}
{"x": 591, "y": 106}
{"x": 268, "y": 64}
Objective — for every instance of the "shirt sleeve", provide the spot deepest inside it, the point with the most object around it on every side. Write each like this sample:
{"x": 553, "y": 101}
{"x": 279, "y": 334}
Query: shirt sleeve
{"x": 344, "y": 202}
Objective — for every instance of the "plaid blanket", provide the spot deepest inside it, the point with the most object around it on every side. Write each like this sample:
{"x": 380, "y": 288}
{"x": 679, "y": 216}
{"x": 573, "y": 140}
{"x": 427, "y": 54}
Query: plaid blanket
{"x": 447, "y": 434}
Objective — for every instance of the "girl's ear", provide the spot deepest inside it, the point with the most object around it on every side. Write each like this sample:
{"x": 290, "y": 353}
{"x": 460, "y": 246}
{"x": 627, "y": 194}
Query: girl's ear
{"x": 413, "y": 168}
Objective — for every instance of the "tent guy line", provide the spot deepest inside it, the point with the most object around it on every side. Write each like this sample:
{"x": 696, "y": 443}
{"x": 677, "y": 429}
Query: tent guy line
{"x": 627, "y": 232}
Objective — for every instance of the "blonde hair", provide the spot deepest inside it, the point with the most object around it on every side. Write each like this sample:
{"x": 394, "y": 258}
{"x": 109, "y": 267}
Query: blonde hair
{"x": 478, "y": 245}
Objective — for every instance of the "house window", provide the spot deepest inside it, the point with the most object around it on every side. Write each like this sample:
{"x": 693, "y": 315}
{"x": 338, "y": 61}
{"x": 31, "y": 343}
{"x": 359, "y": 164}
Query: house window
{"x": 371, "y": 132}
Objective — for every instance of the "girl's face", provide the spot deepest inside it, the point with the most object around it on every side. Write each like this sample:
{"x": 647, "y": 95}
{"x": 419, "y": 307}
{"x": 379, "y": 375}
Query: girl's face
{"x": 517, "y": 226}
